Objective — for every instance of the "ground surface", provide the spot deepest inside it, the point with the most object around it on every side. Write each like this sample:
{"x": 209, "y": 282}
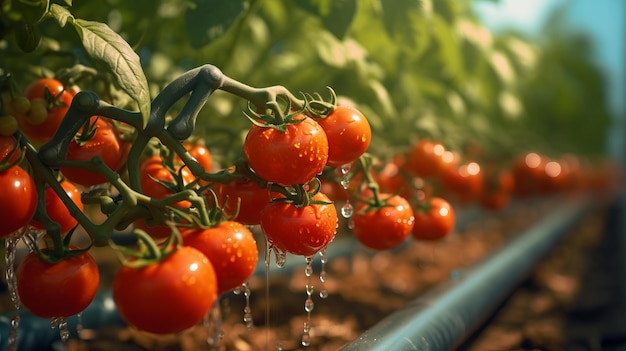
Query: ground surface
{"x": 568, "y": 303}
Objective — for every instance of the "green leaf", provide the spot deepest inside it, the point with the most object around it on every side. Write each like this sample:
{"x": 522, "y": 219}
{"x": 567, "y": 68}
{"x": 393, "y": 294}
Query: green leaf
{"x": 398, "y": 15}
{"x": 211, "y": 19}
{"x": 107, "y": 47}
{"x": 336, "y": 15}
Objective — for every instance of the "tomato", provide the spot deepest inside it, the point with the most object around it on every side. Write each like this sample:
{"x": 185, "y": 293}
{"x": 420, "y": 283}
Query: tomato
{"x": 230, "y": 247}
{"x": 464, "y": 181}
{"x": 60, "y": 289}
{"x": 58, "y": 101}
{"x": 202, "y": 154}
{"x": 18, "y": 200}
{"x": 252, "y": 199}
{"x": 556, "y": 176}
{"x": 9, "y": 147}
{"x": 392, "y": 178}
{"x": 167, "y": 296}
{"x": 497, "y": 189}
{"x": 528, "y": 172}
{"x": 151, "y": 170}
{"x": 301, "y": 231}
{"x": 425, "y": 158}
{"x": 349, "y": 135}
{"x": 434, "y": 220}
{"x": 105, "y": 144}
{"x": 385, "y": 227}
{"x": 57, "y": 211}
{"x": 294, "y": 156}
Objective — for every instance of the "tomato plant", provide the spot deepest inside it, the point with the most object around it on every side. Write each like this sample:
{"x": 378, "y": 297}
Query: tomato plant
{"x": 293, "y": 156}
{"x": 167, "y": 296}
{"x": 349, "y": 135}
{"x": 18, "y": 199}
{"x": 59, "y": 289}
{"x": 57, "y": 211}
{"x": 300, "y": 230}
{"x": 99, "y": 139}
{"x": 230, "y": 247}
{"x": 56, "y": 100}
{"x": 434, "y": 219}
{"x": 385, "y": 226}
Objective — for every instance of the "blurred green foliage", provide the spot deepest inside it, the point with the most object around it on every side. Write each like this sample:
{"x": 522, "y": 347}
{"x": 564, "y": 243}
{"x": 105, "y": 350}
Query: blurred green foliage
{"x": 416, "y": 68}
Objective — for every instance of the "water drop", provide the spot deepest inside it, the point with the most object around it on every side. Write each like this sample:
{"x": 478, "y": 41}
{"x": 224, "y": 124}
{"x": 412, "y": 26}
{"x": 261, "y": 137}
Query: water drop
{"x": 61, "y": 324}
{"x": 323, "y": 275}
{"x": 347, "y": 210}
{"x": 213, "y": 324}
{"x": 308, "y": 270}
{"x": 351, "y": 223}
{"x": 306, "y": 339}
{"x": 10, "y": 245}
{"x": 309, "y": 305}
{"x": 79, "y": 324}
{"x": 281, "y": 257}
{"x": 345, "y": 183}
{"x": 345, "y": 168}
{"x": 247, "y": 311}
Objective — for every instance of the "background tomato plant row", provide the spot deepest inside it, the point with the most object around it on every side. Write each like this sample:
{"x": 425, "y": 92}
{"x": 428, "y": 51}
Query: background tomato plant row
{"x": 415, "y": 68}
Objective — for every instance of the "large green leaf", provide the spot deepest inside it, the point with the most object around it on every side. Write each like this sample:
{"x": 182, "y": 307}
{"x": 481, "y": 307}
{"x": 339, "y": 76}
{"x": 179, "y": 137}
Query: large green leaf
{"x": 208, "y": 20}
{"x": 102, "y": 44}
{"x": 107, "y": 47}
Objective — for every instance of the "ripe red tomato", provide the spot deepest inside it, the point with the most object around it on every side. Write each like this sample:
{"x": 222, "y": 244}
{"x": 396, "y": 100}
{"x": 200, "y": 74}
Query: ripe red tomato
{"x": 252, "y": 199}
{"x": 58, "y": 101}
{"x": 202, "y": 154}
{"x": 292, "y": 157}
{"x": 301, "y": 231}
{"x": 425, "y": 158}
{"x": 57, "y": 211}
{"x": 18, "y": 200}
{"x": 9, "y": 149}
{"x": 528, "y": 172}
{"x": 349, "y": 135}
{"x": 230, "y": 247}
{"x": 168, "y": 296}
{"x": 105, "y": 144}
{"x": 465, "y": 181}
{"x": 434, "y": 221}
{"x": 151, "y": 170}
{"x": 385, "y": 227}
{"x": 497, "y": 189}
{"x": 60, "y": 289}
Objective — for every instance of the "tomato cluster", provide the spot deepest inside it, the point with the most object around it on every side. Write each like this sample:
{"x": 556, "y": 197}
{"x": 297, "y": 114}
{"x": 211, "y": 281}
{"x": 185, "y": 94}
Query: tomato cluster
{"x": 193, "y": 221}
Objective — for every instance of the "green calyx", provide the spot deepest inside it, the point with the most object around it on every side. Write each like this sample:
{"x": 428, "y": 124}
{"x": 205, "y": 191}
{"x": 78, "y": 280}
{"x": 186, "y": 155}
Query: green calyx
{"x": 147, "y": 251}
{"x": 58, "y": 250}
{"x": 317, "y": 107}
{"x": 274, "y": 116}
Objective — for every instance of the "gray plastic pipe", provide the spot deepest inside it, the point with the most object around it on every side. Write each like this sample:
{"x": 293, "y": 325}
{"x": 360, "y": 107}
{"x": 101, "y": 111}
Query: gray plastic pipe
{"x": 445, "y": 317}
